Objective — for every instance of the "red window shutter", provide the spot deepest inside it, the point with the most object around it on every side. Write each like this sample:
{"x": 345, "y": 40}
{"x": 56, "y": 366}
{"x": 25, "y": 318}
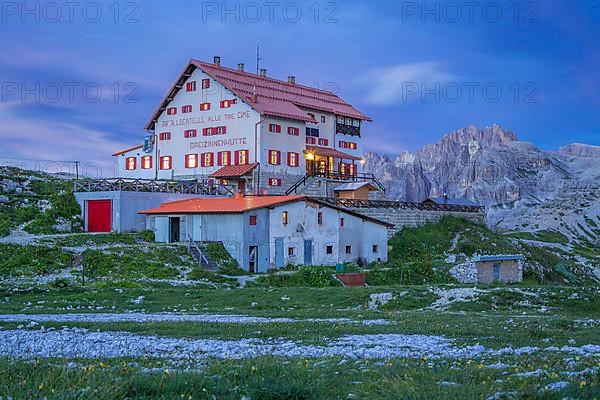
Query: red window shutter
{"x": 220, "y": 159}
{"x": 278, "y": 157}
{"x": 289, "y": 159}
{"x": 236, "y": 157}
{"x": 224, "y": 130}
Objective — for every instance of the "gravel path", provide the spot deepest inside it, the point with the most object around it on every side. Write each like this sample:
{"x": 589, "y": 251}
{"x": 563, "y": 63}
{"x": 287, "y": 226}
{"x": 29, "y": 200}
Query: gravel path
{"x": 172, "y": 317}
{"x": 81, "y": 343}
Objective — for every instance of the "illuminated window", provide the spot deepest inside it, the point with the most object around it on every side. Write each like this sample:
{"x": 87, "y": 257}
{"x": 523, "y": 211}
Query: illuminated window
{"x": 165, "y": 162}
{"x": 171, "y": 110}
{"x": 352, "y": 169}
{"x": 284, "y": 217}
{"x": 130, "y": 163}
{"x": 208, "y": 159}
{"x": 292, "y": 160}
{"x": 274, "y": 182}
{"x": 241, "y": 157}
{"x": 252, "y": 220}
{"x": 227, "y": 103}
{"x": 311, "y": 140}
{"x": 274, "y": 157}
{"x": 204, "y": 106}
{"x": 275, "y": 128}
{"x": 186, "y": 109}
{"x": 190, "y": 133}
{"x": 191, "y": 160}
{"x": 224, "y": 158}
{"x": 190, "y": 86}
{"x": 146, "y": 162}
{"x": 293, "y": 131}
{"x": 165, "y": 136}
{"x": 352, "y": 146}
{"x": 205, "y": 83}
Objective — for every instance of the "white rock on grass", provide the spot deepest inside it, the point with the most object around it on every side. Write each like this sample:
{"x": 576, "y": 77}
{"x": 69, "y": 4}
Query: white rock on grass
{"x": 173, "y": 317}
{"x": 379, "y": 299}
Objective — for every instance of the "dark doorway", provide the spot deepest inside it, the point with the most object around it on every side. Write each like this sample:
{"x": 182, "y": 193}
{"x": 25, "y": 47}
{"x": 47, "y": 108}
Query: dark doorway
{"x": 252, "y": 258}
{"x": 174, "y": 229}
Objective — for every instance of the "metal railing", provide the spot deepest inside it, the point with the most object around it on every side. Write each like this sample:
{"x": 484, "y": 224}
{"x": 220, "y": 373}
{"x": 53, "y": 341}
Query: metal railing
{"x": 337, "y": 176}
{"x": 403, "y": 205}
{"x": 159, "y": 186}
{"x": 202, "y": 259}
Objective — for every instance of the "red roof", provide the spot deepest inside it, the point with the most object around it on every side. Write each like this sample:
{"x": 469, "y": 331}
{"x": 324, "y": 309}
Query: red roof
{"x": 274, "y": 97}
{"x": 235, "y": 204}
{"x": 329, "y": 152}
{"x": 233, "y": 171}
{"x": 128, "y": 150}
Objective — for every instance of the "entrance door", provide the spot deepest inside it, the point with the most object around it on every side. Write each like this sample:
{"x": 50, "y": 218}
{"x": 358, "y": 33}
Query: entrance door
{"x": 279, "y": 252}
{"x": 99, "y": 215}
{"x": 174, "y": 223}
{"x": 252, "y": 258}
{"x": 308, "y": 252}
{"x": 496, "y": 272}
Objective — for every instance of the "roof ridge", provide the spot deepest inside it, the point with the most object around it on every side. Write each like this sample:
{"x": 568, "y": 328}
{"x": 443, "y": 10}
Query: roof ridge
{"x": 258, "y": 76}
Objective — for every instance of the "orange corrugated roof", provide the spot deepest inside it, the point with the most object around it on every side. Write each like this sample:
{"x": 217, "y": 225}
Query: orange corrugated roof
{"x": 235, "y": 204}
{"x": 233, "y": 171}
{"x": 127, "y": 150}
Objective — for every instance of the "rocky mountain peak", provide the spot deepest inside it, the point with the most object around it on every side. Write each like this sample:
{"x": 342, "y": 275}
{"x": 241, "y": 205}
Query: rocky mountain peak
{"x": 580, "y": 150}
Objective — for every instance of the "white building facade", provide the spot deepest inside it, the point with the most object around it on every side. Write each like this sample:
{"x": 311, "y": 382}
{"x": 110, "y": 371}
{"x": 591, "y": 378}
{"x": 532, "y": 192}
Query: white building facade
{"x": 215, "y": 117}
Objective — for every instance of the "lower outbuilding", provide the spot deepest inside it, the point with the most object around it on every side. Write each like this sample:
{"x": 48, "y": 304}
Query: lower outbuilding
{"x": 264, "y": 232}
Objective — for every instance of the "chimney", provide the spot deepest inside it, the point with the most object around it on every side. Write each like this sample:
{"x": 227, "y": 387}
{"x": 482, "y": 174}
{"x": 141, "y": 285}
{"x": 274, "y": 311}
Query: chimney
{"x": 217, "y": 61}
{"x": 291, "y": 79}
{"x": 241, "y": 67}
{"x": 263, "y": 72}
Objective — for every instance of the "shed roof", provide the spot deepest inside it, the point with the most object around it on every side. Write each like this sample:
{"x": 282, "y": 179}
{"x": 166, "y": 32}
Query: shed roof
{"x": 236, "y": 204}
{"x": 274, "y": 97}
{"x": 353, "y": 186}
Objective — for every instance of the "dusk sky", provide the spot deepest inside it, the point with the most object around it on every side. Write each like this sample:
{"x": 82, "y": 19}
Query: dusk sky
{"x": 418, "y": 71}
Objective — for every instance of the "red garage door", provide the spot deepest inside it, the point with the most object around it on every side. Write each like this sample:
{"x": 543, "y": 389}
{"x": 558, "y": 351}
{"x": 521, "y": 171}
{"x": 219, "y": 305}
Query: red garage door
{"x": 99, "y": 215}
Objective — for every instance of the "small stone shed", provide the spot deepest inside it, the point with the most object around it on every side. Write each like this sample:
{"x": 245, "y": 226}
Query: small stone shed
{"x": 499, "y": 268}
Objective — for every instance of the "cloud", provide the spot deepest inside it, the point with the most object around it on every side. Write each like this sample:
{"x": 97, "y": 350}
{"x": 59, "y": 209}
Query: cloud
{"x": 386, "y": 85}
{"x": 31, "y": 142}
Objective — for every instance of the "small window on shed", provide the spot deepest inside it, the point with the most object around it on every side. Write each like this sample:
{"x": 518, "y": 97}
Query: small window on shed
{"x": 348, "y": 249}
{"x": 375, "y": 248}
{"x": 320, "y": 218}
{"x": 291, "y": 251}
{"x": 284, "y": 217}
{"x": 341, "y": 222}
{"x": 253, "y": 220}
{"x": 329, "y": 249}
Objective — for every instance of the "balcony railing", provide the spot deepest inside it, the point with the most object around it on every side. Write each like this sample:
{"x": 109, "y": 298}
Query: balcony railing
{"x": 204, "y": 187}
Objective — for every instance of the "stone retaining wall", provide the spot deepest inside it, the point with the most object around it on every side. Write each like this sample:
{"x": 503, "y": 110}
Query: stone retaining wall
{"x": 402, "y": 218}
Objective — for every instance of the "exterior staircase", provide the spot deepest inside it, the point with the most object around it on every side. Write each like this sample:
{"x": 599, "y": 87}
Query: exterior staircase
{"x": 323, "y": 185}
{"x": 201, "y": 258}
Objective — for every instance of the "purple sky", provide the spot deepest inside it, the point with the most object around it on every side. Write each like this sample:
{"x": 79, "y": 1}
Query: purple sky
{"x": 419, "y": 69}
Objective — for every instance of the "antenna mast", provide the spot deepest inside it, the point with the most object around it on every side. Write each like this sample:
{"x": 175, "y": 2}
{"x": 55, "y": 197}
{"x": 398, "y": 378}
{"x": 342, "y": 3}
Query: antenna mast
{"x": 257, "y": 59}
